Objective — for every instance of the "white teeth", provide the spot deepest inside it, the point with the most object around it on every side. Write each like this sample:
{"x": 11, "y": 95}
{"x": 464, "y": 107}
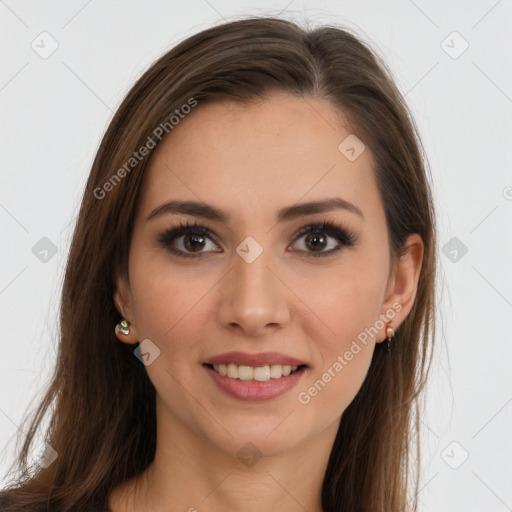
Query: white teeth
{"x": 232, "y": 371}
{"x": 259, "y": 373}
{"x": 262, "y": 373}
{"x": 245, "y": 373}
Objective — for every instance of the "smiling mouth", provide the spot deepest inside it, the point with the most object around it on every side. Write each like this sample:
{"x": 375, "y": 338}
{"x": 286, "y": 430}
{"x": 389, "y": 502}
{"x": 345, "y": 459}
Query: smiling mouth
{"x": 255, "y": 373}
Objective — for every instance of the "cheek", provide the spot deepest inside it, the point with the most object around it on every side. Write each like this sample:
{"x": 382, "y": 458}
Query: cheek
{"x": 344, "y": 357}
{"x": 348, "y": 299}
{"x": 349, "y": 304}
{"x": 332, "y": 388}
{"x": 169, "y": 304}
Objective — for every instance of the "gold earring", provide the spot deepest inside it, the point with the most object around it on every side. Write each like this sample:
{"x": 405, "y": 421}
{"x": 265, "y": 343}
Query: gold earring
{"x": 124, "y": 327}
{"x": 390, "y": 333}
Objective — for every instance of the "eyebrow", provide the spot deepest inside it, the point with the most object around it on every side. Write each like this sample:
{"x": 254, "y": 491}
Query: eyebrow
{"x": 199, "y": 209}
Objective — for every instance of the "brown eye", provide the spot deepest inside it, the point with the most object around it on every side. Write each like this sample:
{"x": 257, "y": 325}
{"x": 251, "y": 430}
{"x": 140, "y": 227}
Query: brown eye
{"x": 193, "y": 243}
{"x": 189, "y": 241}
{"x": 316, "y": 239}
{"x": 316, "y": 242}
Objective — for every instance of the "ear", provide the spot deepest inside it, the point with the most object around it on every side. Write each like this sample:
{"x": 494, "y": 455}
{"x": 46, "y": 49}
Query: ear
{"x": 123, "y": 303}
{"x": 403, "y": 284}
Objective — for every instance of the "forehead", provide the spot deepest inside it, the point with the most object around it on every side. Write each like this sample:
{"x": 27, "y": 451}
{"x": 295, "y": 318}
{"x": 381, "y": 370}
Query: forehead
{"x": 253, "y": 159}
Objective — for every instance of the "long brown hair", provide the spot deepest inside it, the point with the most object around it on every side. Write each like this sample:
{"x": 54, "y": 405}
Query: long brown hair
{"x": 100, "y": 401}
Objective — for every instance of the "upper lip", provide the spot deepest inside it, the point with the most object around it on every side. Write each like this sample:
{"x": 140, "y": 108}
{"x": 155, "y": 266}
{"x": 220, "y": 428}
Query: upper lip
{"x": 259, "y": 359}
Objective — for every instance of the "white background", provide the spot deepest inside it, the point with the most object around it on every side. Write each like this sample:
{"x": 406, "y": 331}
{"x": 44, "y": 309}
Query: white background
{"x": 55, "y": 110}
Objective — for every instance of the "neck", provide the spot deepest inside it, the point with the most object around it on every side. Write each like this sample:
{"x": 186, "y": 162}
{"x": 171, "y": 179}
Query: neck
{"x": 191, "y": 473}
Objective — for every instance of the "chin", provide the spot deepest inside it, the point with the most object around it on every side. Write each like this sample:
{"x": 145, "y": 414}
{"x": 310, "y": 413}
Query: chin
{"x": 265, "y": 436}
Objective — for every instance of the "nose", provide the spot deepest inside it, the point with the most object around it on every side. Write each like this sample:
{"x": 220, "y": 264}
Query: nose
{"x": 253, "y": 299}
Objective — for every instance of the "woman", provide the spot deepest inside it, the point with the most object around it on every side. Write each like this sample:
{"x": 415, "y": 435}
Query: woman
{"x": 248, "y": 307}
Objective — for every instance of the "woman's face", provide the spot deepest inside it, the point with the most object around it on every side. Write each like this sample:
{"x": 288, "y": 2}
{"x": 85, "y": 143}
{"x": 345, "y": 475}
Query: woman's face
{"x": 253, "y": 283}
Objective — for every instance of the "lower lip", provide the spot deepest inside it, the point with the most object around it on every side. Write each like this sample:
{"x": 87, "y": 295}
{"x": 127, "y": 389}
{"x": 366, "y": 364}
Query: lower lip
{"x": 252, "y": 390}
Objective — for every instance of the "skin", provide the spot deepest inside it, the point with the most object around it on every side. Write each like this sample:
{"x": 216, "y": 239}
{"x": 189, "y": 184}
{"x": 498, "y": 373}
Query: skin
{"x": 251, "y": 161}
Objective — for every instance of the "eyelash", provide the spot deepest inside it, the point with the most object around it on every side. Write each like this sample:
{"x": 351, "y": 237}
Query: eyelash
{"x": 345, "y": 237}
